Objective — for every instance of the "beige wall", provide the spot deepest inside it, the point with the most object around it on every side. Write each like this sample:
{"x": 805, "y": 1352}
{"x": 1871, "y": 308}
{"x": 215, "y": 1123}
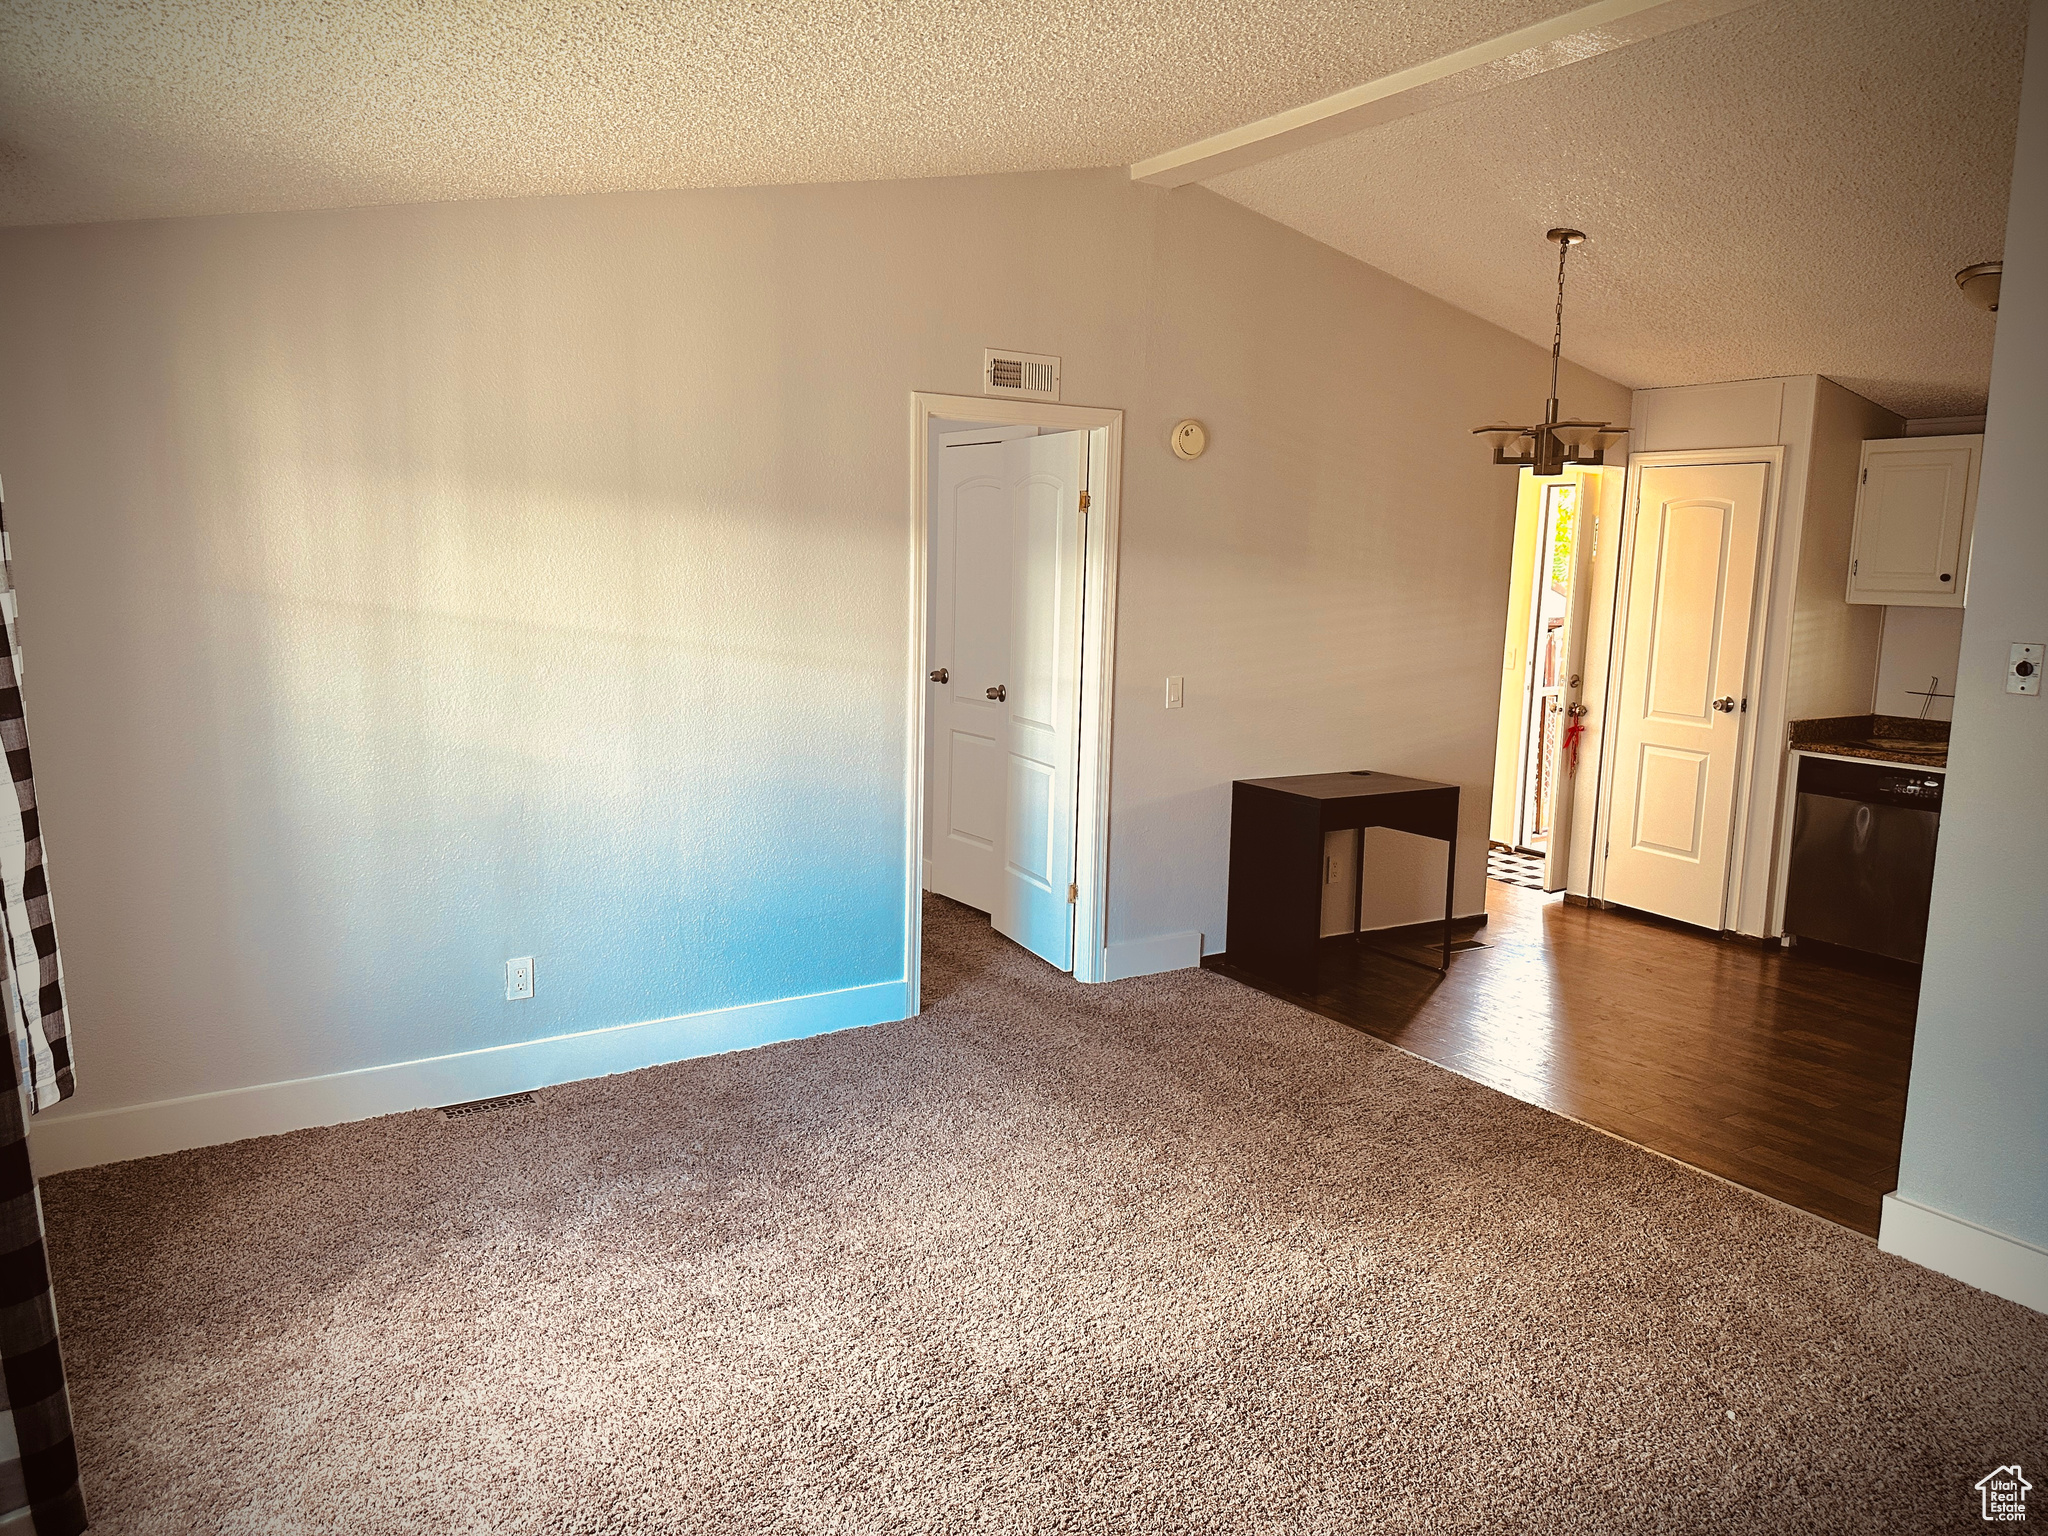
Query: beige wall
{"x": 1832, "y": 667}
{"x": 1919, "y": 644}
{"x": 409, "y": 588}
{"x": 1976, "y": 1142}
{"x": 1514, "y": 668}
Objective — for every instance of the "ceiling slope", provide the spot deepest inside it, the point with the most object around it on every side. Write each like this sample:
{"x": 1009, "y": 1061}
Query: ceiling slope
{"x": 120, "y": 109}
{"x": 1788, "y": 189}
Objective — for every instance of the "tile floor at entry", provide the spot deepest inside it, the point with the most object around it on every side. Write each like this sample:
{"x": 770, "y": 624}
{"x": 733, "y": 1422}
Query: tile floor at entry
{"x": 1511, "y": 866}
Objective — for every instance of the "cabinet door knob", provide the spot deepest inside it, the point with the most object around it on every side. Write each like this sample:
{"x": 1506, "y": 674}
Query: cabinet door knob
{"x": 999, "y": 693}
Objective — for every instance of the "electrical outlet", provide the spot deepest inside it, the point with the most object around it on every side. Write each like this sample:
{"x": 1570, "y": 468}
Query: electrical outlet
{"x": 2023, "y": 669}
{"x": 518, "y": 978}
{"x": 1175, "y": 691}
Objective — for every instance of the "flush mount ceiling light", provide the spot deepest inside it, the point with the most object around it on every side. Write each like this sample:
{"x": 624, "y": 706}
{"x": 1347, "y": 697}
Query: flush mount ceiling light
{"x": 1550, "y": 444}
{"x": 1980, "y": 284}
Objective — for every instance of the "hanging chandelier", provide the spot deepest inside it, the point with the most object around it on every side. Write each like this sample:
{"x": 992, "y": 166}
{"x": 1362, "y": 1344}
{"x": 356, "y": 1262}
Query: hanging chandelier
{"x": 1550, "y": 444}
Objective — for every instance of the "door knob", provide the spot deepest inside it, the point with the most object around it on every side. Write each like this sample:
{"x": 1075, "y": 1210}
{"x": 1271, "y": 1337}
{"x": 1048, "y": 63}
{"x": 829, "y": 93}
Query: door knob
{"x": 999, "y": 692}
{"x": 942, "y": 676}
{"x": 1726, "y": 706}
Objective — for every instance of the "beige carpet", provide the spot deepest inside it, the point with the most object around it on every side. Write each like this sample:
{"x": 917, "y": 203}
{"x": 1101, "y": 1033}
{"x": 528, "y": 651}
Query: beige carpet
{"x": 1163, "y": 1256}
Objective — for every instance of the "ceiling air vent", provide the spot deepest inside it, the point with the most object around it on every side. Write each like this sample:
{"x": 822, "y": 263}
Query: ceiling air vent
{"x": 1024, "y": 375}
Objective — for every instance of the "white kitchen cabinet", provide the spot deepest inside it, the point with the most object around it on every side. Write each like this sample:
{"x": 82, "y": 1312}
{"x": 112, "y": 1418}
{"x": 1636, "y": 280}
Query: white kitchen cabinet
{"x": 1916, "y": 502}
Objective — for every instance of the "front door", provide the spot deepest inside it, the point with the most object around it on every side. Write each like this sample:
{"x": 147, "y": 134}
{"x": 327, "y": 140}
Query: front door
{"x": 1682, "y": 706}
{"x": 1571, "y": 540}
{"x": 1046, "y": 477}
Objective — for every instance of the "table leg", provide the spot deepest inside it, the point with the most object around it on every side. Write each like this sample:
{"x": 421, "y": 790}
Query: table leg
{"x": 1450, "y": 892}
{"x": 1358, "y": 886}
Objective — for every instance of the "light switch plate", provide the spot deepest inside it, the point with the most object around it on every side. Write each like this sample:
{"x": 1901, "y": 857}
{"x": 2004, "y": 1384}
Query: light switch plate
{"x": 2023, "y": 670}
{"x": 1174, "y": 692}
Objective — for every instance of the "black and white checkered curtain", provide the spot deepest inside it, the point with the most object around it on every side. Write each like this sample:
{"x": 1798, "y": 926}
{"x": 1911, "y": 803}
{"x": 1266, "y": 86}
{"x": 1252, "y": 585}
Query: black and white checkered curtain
{"x": 39, "y": 1492}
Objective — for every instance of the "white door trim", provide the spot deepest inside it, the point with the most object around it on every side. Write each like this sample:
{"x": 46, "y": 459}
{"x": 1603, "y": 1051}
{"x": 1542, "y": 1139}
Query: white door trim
{"x": 1105, "y": 428}
{"x": 1753, "y": 665}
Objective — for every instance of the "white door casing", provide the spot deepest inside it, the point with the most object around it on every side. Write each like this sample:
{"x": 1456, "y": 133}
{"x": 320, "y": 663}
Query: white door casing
{"x": 1104, "y": 426}
{"x": 1680, "y": 715}
{"x": 1571, "y": 669}
{"x": 1046, "y": 477}
{"x": 970, "y": 642}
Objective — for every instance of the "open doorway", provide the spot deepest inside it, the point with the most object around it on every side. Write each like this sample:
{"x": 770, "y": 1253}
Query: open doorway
{"x": 1543, "y": 680}
{"x": 1542, "y": 712}
{"x": 1014, "y": 547}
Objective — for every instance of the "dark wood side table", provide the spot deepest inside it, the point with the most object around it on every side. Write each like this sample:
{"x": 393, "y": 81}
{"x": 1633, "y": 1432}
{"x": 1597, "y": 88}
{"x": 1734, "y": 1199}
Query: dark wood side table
{"x": 1276, "y": 860}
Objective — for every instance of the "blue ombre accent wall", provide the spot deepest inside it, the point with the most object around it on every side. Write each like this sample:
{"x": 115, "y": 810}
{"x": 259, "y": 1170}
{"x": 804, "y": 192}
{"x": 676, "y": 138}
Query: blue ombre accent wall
{"x": 405, "y": 589}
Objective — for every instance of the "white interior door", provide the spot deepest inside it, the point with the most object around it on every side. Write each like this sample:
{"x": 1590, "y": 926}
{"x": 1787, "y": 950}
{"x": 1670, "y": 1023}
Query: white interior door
{"x": 1685, "y": 662}
{"x": 1046, "y": 476}
{"x": 965, "y": 773}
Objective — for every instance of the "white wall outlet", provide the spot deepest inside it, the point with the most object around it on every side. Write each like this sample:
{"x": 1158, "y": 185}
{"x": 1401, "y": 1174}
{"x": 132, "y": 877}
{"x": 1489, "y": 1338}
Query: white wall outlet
{"x": 518, "y": 978}
{"x": 2023, "y": 671}
{"x": 1175, "y": 690}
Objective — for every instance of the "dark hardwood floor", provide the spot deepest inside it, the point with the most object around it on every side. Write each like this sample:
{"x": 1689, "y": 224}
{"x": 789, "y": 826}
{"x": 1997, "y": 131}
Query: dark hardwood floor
{"x": 1775, "y": 1068}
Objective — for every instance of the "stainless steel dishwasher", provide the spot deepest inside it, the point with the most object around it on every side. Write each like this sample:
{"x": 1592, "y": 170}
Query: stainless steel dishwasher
{"x": 1862, "y": 867}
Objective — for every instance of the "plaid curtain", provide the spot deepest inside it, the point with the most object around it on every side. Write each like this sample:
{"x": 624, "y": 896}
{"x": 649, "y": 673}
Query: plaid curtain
{"x": 39, "y": 1492}
{"x": 42, "y": 1038}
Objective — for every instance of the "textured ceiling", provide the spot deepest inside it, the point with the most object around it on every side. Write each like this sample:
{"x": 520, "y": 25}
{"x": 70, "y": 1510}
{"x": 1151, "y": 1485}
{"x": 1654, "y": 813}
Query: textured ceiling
{"x": 116, "y": 109}
{"x": 1785, "y": 190}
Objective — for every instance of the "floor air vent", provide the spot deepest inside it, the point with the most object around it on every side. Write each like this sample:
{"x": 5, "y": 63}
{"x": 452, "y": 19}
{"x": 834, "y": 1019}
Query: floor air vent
{"x": 484, "y": 1106}
{"x": 1024, "y": 375}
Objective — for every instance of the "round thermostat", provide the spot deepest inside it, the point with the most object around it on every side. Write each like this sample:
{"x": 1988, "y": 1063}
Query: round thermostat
{"x": 1189, "y": 438}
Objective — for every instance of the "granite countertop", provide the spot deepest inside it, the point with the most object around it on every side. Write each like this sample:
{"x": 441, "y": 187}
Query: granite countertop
{"x": 1881, "y": 738}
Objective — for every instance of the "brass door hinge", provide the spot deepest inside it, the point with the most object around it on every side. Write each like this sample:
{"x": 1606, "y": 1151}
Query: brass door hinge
{"x": 1073, "y": 894}
{"x": 1084, "y": 501}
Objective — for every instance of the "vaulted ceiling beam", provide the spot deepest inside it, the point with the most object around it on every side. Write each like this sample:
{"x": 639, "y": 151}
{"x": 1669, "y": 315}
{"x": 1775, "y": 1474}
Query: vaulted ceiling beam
{"x": 1533, "y": 50}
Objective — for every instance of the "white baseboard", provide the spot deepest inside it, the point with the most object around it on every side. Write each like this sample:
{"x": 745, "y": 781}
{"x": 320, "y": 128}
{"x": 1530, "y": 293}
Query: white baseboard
{"x": 1964, "y": 1251}
{"x": 60, "y": 1141}
{"x": 1148, "y": 957}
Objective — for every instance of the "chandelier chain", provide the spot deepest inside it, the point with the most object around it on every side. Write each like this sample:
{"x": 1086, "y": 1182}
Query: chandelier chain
{"x": 1557, "y": 336}
{"x": 1546, "y": 447}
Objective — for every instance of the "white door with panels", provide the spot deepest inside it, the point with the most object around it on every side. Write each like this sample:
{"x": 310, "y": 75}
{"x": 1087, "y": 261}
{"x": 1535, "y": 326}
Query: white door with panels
{"x": 1002, "y": 774}
{"x": 1681, "y": 708}
{"x": 1047, "y": 478}
{"x": 969, "y": 651}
